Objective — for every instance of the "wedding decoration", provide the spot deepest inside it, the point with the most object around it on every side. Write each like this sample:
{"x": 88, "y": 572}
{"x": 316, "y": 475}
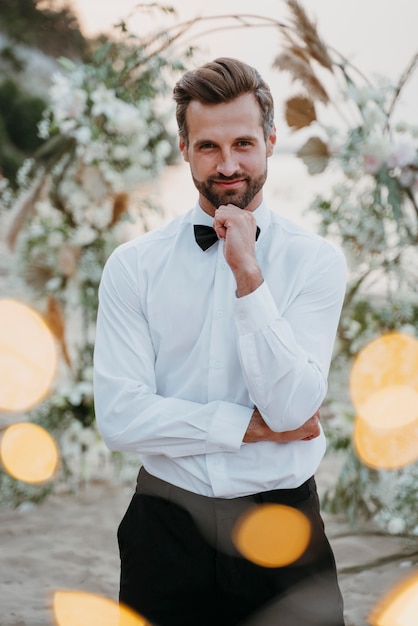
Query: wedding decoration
{"x": 104, "y": 134}
{"x": 350, "y": 128}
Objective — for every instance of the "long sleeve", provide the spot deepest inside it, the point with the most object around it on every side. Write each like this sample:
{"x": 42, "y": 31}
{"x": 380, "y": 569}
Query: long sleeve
{"x": 180, "y": 362}
{"x": 131, "y": 414}
{"x": 285, "y": 357}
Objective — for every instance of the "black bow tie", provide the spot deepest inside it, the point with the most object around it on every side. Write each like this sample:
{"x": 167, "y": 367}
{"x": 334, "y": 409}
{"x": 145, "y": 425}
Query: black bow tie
{"x": 206, "y": 236}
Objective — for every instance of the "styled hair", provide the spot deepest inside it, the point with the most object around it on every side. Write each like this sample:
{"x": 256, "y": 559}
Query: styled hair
{"x": 222, "y": 80}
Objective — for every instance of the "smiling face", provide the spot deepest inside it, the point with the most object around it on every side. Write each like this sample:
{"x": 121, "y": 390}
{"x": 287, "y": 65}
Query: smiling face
{"x": 227, "y": 152}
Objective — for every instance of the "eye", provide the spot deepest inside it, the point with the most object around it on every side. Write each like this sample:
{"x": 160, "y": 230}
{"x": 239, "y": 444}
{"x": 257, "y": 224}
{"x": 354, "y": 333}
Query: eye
{"x": 206, "y": 146}
{"x": 244, "y": 143}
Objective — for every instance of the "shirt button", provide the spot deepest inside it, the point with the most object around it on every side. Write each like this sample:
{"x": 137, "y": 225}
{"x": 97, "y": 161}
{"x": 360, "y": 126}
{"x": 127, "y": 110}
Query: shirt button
{"x": 218, "y": 365}
{"x": 219, "y": 313}
{"x": 224, "y": 265}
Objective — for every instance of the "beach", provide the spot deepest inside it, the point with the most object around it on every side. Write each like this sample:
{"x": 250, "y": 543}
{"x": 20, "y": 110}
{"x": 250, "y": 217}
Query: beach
{"x": 68, "y": 541}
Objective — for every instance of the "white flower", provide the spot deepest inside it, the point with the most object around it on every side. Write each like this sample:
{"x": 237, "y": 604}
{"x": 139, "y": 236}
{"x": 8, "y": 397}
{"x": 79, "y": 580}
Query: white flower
{"x": 402, "y": 154}
{"x": 54, "y": 284}
{"x": 120, "y": 153}
{"x": 103, "y": 100}
{"x": 82, "y": 135}
{"x": 55, "y": 239}
{"x": 396, "y": 526}
{"x": 84, "y": 235}
{"x": 43, "y": 129}
{"x": 124, "y": 119}
{"x": 375, "y": 150}
{"x": 100, "y": 216}
{"x": 68, "y": 102}
{"x": 374, "y": 116}
{"x": 79, "y": 391}
{"x": 363, "y": 95}
{"x": 95, "y": 151}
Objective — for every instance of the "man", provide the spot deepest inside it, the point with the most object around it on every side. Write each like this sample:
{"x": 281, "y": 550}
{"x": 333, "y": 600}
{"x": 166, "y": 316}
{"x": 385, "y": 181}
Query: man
{"x": 211, "y": 363}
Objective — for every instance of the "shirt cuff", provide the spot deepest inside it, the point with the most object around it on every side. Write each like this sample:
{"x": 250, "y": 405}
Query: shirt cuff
{"x": 255, "y": 311}
{"x": 228, "y": 427}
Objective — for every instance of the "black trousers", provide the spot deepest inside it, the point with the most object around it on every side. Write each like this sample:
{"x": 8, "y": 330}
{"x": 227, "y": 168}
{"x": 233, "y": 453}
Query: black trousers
{"x": 179, "y": 566}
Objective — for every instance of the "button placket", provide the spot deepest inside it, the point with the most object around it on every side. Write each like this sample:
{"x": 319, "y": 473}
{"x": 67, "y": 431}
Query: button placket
{"x": 221, "y": 304}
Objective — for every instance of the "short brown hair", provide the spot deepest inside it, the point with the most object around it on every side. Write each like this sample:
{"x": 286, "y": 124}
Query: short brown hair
{"x": 222, "y": 80}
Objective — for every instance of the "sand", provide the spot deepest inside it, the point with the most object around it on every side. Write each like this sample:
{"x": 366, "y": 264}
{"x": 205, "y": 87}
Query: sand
{"x": 68, "y": 542}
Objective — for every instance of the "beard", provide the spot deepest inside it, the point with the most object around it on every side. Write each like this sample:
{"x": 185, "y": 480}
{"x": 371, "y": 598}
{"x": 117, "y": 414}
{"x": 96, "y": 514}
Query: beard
{"x": 240, "y": 199}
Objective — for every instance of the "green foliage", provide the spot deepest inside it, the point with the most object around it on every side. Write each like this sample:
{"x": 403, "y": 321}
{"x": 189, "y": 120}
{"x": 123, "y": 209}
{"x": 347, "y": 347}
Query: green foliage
{"x": 20, "y": 114}
{"x": 55, "y": 32}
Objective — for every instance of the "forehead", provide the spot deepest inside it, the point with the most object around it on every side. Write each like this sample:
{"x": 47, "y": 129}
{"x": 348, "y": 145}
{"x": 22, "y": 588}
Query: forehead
{"x": 241, "y": 116}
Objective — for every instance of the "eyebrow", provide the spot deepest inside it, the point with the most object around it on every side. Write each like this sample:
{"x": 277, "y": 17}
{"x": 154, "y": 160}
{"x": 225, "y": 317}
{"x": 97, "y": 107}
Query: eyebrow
{"x": 200, "y": 142}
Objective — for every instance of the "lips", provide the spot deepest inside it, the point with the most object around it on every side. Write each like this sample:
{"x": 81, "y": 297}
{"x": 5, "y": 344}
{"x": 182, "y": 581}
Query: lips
{"x": 229, "y": 184}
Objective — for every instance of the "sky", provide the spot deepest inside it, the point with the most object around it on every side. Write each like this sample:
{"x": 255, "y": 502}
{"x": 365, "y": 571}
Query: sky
{"x": 377, "y": 36}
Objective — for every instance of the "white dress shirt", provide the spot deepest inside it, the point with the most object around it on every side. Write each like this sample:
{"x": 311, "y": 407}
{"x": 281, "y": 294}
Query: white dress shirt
{"x": 180, "y": 361}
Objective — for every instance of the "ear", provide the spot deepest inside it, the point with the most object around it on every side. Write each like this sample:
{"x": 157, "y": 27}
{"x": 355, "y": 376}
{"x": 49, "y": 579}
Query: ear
{"x": 271, "y": 141}
{"x": 183, "y": 149}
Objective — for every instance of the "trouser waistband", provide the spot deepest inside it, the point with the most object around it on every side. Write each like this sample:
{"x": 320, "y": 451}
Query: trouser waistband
{"x": 216, "y": 517}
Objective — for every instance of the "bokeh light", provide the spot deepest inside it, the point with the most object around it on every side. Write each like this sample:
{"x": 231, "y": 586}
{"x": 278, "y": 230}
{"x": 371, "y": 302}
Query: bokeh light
{"x": 272, "y": 535}
{"x": 28, "y": 356}
{"x": 389, "y": 360}
{"x": 29, "y": 453}
{"x": 79, "y": 608}
{"x": 384, "y": 392}
{"x": 399, "y": 607}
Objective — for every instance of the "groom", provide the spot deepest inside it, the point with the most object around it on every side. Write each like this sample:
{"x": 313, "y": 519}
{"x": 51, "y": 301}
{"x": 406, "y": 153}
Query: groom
{"x": 211, "y": 363}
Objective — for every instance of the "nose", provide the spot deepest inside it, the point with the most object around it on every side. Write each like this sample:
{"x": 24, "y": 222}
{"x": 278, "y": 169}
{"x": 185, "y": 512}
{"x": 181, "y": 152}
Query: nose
{"x": 227, "y": 164}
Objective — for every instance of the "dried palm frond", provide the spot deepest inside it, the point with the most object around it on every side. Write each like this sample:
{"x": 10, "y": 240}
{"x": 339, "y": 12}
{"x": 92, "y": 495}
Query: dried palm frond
{"x": 120, "y": 206}
{"x": 37, "y": 273}
{"x": 54, "y": 318}
{"x": 314, "y": 153}
{"x": 308, "y": 32}
{"x": 299, "y": 112}
{"x": 295, "y": 62}
{"x": 24, "y": 206}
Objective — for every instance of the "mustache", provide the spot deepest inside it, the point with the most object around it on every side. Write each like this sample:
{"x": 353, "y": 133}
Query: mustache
{"x": 236, "y": 176}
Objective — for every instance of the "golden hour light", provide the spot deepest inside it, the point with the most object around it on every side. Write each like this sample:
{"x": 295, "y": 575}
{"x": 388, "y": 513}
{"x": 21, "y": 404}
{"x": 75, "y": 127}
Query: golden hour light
{"x": 399, "y": 607}
{"x": 390, "y": 360}
{"x": 78, "y": 608}
{"x": 29, "y": 453}
{"x": 272, "y": 535}
{"x": 385, "y": 449}
{"x": 28, "y": 357}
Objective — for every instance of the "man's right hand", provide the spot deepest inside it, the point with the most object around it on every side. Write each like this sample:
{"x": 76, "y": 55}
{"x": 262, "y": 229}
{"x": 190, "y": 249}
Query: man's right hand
{"x": 259, "y": 431}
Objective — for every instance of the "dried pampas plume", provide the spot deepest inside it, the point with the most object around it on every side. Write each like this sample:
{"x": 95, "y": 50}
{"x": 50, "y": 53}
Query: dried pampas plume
{"x": 297, "y": 64}
{"x": 24, "y": 207}
{"x": 37, "y": 273}
{"x": 302, "y": 45}
{"x": 120, "y": 206}
{"x": 54, "y": 318}
{"x": 308, "y": 32}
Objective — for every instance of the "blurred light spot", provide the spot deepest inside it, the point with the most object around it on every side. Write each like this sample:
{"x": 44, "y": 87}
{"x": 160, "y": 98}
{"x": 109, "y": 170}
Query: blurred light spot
{"x": 272, "y": 535}
{"x": 28, "y": 453}
{"x": 389, "y": 360}
{"x": 399, "y": 607}
{"x": 28, "y": 356}
{"x": 78, "y": 608}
